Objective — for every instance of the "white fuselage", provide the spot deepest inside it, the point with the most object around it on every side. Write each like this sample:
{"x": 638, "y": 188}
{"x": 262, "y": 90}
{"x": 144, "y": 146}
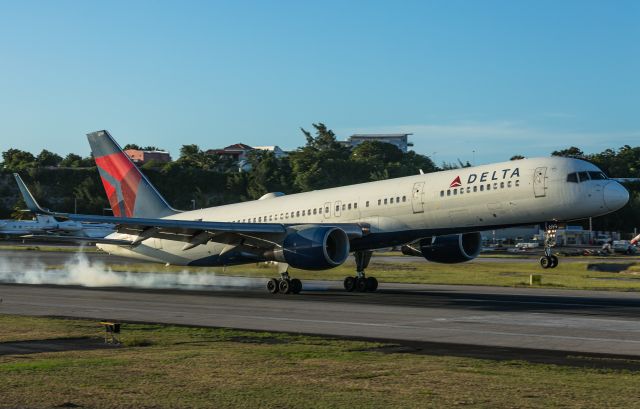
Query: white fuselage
{"x": 401, "y": 210}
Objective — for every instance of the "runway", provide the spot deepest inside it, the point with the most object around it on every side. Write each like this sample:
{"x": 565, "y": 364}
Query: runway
{"x": 468, "y": 320}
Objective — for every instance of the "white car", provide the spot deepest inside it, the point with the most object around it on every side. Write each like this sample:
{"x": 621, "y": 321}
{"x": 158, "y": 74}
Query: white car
{"x": 623, "y": 246}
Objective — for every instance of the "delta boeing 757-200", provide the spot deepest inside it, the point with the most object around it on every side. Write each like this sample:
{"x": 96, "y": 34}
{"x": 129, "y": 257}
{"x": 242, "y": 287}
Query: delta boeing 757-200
{"x": 437, "y": 215}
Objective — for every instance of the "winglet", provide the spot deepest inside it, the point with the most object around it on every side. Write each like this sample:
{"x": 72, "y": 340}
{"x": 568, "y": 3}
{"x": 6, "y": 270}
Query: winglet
{"x": 32, "y": 205}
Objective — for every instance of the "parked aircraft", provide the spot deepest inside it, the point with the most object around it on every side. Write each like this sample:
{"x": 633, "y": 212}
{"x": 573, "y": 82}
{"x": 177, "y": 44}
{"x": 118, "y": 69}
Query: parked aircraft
{"x": 439, "y": 215}
{"x": 46, "y": 224}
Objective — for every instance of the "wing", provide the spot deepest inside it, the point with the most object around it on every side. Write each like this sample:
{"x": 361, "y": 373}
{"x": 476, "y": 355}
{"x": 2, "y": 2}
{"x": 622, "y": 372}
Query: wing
{"x": 73, "y": 239}
{"x": 196, "y": 232}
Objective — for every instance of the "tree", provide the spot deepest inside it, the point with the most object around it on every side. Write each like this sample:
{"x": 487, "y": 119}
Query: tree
{"x": 47, "y": 159}
{"x": 571, "y": 152}
{"x": 76, "y": 161}
{"x": 322, "y": 162}
{"x": 191, "y": 156}
{"x": 131, "y": 146}
{"x": 268, "y": 174}
{"x": 16, "y": 159}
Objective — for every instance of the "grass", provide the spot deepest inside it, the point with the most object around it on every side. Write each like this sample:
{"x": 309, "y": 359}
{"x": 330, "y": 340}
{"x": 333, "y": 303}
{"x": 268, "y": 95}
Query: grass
{"x": 570, "y": 274}
{"x": 49, "y": 248}
{"x": 221, "y": 368}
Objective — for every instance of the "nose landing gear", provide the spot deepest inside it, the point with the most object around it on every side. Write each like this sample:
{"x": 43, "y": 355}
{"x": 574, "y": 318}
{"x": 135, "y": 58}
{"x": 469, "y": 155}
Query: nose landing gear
{"x": 549, "y": 260}
{"x": 360, "y": 282}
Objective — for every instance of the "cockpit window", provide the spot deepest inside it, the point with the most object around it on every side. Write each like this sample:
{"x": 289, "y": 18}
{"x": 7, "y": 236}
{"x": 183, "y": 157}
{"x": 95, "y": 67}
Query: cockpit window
{"x": 584, "y": 176}
{"x": 572, "y": 177}
{"x": 597, "y": 176}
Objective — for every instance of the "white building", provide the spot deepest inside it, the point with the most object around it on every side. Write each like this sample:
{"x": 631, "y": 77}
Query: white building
{"x": 277, "y": 151}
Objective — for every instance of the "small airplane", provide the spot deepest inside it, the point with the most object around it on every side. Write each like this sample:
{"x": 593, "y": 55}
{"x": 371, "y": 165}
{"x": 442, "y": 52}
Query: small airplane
{"x": 48, "y": 227}
{"x": 437, "y": 216}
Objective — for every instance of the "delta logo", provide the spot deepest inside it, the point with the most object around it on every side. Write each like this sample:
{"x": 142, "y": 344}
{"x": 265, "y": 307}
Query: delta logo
{"x": 502, "y": 174}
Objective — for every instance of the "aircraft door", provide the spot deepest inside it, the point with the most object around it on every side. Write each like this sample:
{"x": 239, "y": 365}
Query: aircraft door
{"x": 540, "y": 182}
{"x": 417, "y": 197}
{"x": 327, "y": 210}
{"x": 336, "y": 210}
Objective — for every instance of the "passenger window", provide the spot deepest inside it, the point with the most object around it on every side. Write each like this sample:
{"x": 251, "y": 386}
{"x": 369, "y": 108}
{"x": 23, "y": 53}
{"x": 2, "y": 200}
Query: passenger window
{"x": 489, "y": 187}
{"x": 366, "y": 204}
{"x": 355, "y": 205}
{"x": 461, "y": 190}
{"x": 448, "y": 192}
{"x": 468, "y": 189}
{"x": 315, "y": 211}
{"x": 298, "y": 213}
{"x": 572, "y": 177}
{"x": 344, "y": 207}
{"x": 391, "y": 200}
{"x": 597, "y": 176}
{"x": 398, "y": 199}
{"x": 455, "y": 192}
{"x": 281, "y": 216}
{"x": 270, "y": 218}
{"x": 379, "y": 201}
{"x": 475, "y": 189}
{"x": 293, "y": 214}
{"x": 326, "y": 209}
{"x": 517, "y": 182}
{"x": 509, "y": 184}
{"x": 501, "y": 185}
{"x": 583, "y": 176}
{"x": 495, "y": 186}
{"x": 482, "y": 188}
{"x": 309, "y": 212}
{"x": 337, "y": 208}
{"x": 349, "y": 206}
{"x": 385, "y": 201}
{"x": 442, "y": 193}
{"x": 303, "y": 212}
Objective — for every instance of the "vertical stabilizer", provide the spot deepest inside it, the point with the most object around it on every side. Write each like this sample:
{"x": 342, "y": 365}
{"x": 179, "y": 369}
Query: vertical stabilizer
{"x": 130, "y": 193}
{"x": 32, "y": 205}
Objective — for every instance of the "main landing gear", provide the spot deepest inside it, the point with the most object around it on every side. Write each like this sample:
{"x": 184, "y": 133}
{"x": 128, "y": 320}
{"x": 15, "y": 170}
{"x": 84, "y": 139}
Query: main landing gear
{"x": 360, "y": 282}
{"x": 549, "y": 260}
{"x": 284, "y": 284}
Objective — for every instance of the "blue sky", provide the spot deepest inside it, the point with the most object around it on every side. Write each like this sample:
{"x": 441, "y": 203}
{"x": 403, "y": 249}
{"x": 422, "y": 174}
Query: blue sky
{"x": 494, "y": 77}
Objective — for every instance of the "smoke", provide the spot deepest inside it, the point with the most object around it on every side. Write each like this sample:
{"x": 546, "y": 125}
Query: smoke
{"x": 79, "y": 270}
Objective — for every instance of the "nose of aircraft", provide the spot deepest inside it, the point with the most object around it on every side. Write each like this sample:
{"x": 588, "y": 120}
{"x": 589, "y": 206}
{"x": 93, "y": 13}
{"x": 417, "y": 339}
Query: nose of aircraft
{"x": 615, "y": 196}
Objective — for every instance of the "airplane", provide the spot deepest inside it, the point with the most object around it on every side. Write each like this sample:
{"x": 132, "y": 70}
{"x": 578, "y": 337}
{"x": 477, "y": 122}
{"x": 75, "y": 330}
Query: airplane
{"x": 46, "y": 226}
{"x": 437, "y": 216}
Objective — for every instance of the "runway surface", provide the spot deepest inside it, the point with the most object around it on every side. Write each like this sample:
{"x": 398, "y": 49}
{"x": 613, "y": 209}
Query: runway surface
{"x": 492, "y": 321}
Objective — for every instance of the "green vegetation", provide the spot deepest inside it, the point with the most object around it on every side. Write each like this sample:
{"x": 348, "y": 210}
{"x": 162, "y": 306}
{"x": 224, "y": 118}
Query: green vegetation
{"x": 211, "y": 180}
{"x": 568, "y": 275}
{"x": 221, "y": 368}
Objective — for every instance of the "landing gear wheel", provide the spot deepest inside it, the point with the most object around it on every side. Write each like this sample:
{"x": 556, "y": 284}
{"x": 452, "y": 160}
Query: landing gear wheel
{"x": 272, "y": 285}
{"x": 372, "y": 284}
{"x": 554, "y": 261}
{"x": 361, "y": 284}
{"x": 545, "y": 261}
{"x": 284, "y": 286}
{"x": 296, "y": 286}
{"x": 349, "y": 283}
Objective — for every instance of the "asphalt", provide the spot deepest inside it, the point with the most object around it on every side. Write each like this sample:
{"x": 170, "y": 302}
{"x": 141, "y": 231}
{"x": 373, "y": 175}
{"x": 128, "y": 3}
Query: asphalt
{"x": 491, "y": 322}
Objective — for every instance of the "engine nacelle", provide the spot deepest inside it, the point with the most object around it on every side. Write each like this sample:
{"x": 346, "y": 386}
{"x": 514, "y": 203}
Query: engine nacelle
{"x": 453, "y": 248}
{"x": 313, "y": 248}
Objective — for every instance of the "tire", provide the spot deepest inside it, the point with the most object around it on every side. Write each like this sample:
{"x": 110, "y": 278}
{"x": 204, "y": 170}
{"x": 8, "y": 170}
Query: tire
{"x": 372, "y": 284}
{"x": 349, "y": 283}
{"x": 554, "y": 262}
{"x": 296, "y": 286}
{"x": 272, "y": 286}
{"x": 545, "y": 261}
{"x": 361, "y": 284}
{"x": 284, "y": 286}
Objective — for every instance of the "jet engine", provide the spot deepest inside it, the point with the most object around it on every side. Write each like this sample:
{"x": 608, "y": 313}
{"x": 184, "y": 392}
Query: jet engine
{"x": 313, "y": 248}
{"x": 453, "y": 248}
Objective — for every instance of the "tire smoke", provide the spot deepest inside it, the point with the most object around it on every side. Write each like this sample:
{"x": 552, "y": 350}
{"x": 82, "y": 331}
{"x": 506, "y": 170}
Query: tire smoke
{"x": 79, "y": 270}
